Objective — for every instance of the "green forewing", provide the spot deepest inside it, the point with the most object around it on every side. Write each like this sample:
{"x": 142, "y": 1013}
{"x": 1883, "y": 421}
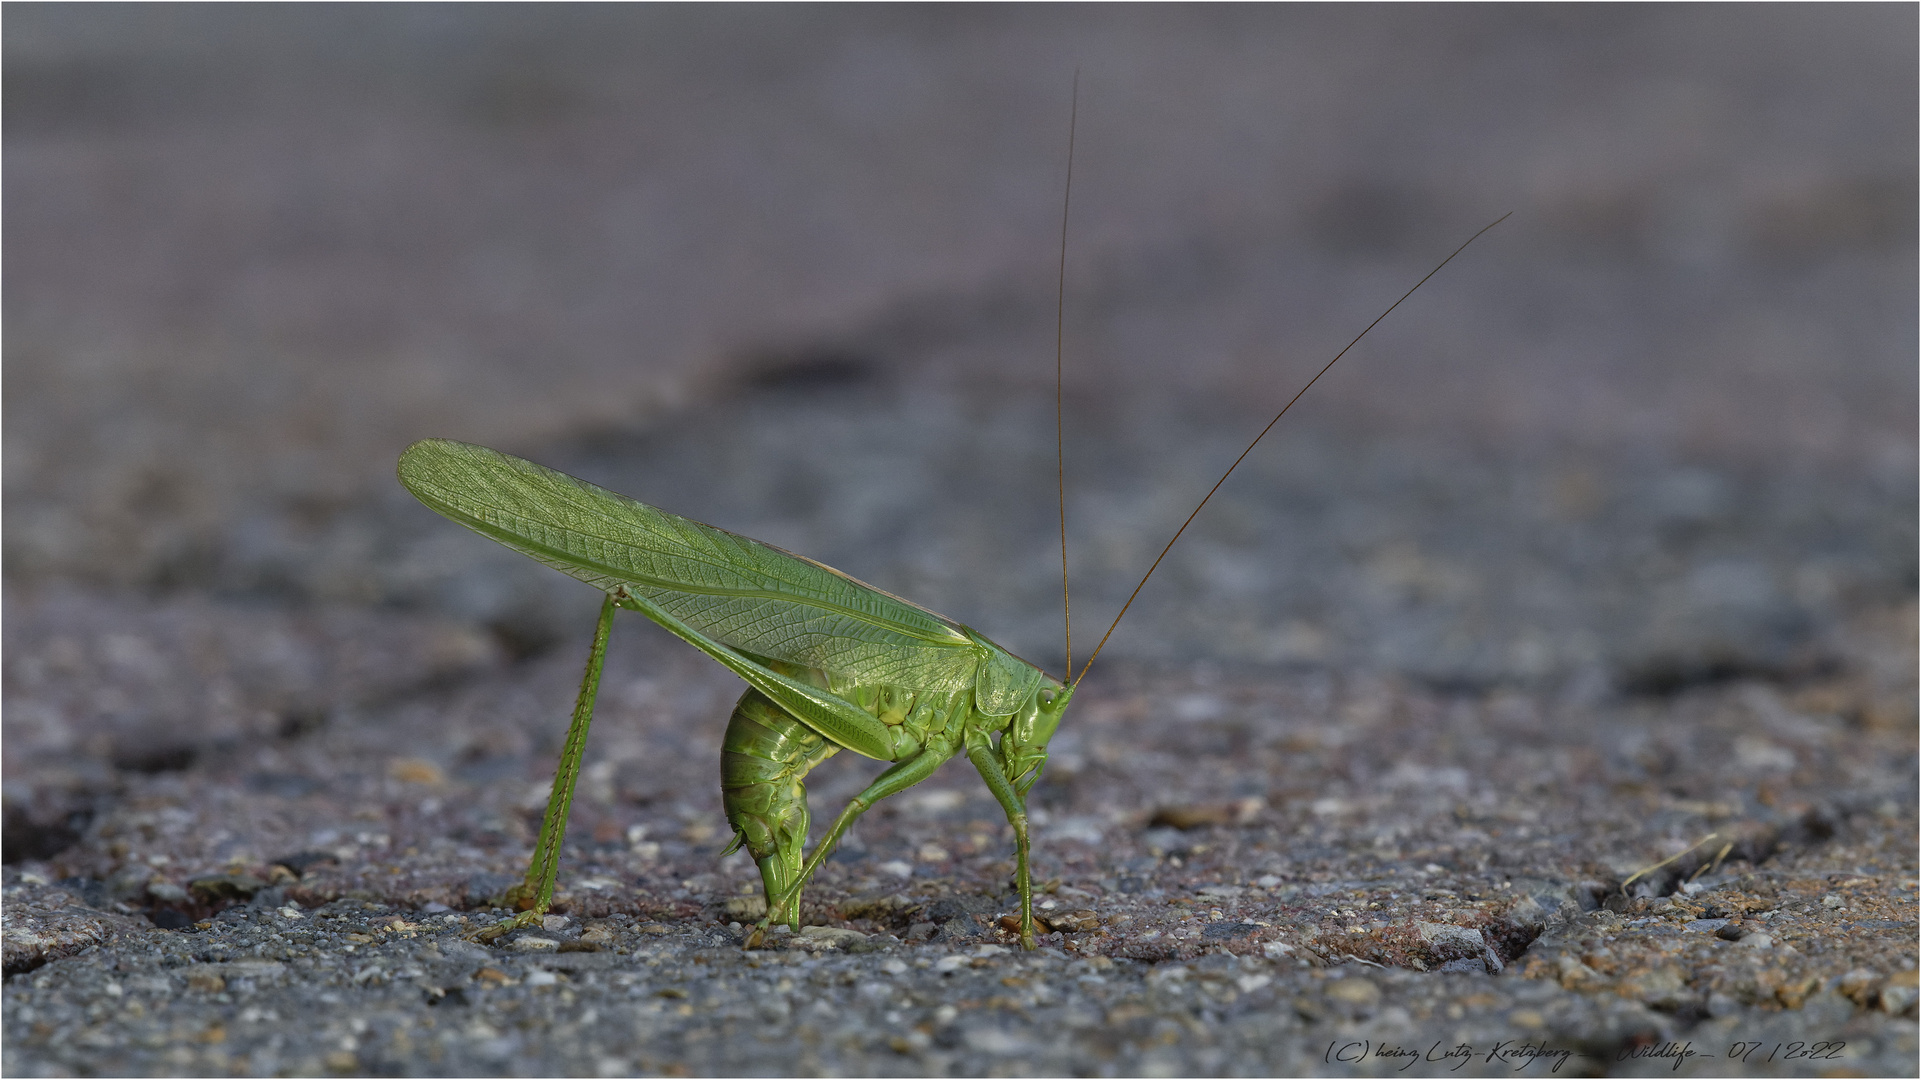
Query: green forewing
{"x": 745, "y": 594}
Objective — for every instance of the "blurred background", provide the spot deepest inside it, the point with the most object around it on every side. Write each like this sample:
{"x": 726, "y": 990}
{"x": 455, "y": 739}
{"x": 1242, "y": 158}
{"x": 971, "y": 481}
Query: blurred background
{"x": 790, "y": 270}
{"x": 1604, "y": 539}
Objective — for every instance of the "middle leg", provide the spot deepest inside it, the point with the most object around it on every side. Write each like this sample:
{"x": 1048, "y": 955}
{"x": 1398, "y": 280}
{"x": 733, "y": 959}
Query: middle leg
{"x": 897, "y": 778}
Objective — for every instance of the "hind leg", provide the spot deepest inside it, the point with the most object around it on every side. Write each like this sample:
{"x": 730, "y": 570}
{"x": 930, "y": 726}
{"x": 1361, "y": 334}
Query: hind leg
{"x": 533, "y": 895}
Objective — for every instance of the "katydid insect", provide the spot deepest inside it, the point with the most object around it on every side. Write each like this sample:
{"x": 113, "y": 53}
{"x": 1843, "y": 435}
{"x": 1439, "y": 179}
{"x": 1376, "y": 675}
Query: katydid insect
{"x": 830, "y": 662}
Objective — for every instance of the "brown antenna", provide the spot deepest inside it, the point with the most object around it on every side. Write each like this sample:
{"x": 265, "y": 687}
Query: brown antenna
{"x": 1263, "y": 435}
{"x": 1060, "y": 336}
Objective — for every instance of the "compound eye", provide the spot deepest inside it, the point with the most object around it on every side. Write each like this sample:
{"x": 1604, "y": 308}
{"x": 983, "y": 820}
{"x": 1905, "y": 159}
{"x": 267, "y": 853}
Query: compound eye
{"x": 1047, "y": 697}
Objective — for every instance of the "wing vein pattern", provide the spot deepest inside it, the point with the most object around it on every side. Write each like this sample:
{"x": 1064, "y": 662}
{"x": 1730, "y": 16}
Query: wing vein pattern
{"x": 742, "y": 593}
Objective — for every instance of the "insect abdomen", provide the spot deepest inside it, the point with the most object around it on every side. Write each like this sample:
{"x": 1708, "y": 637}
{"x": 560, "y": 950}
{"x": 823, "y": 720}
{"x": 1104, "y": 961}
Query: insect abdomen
{"x": 764, "y": 757}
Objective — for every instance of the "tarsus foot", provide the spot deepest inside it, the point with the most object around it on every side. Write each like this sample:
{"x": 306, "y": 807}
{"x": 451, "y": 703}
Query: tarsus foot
{"x": 507, "y": 926}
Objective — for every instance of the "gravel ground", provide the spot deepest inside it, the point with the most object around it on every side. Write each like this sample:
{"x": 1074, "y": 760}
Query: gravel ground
{"x": 1541, "y": 698}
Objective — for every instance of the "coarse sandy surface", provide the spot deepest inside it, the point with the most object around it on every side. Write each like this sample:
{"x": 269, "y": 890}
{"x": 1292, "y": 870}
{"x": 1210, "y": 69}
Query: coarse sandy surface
{"x": 1540, "y": 697}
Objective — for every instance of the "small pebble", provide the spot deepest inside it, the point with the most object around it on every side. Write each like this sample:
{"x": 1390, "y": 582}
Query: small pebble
{"x": 1352, "y": 991}
{"x": 1897, "y": 1000}
{"x": 1079, "y": 921}
{"x": 827, "y": 937}
{"x": 746, "y": 907}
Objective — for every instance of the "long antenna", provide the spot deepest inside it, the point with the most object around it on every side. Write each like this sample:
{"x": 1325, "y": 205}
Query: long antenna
{"x": 1060, "y": 335}
{"x": 1263, "y": 435}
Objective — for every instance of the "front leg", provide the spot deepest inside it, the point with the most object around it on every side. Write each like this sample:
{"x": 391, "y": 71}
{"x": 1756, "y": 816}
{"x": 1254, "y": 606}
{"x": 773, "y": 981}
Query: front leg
{"x": 982, "y": 755}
